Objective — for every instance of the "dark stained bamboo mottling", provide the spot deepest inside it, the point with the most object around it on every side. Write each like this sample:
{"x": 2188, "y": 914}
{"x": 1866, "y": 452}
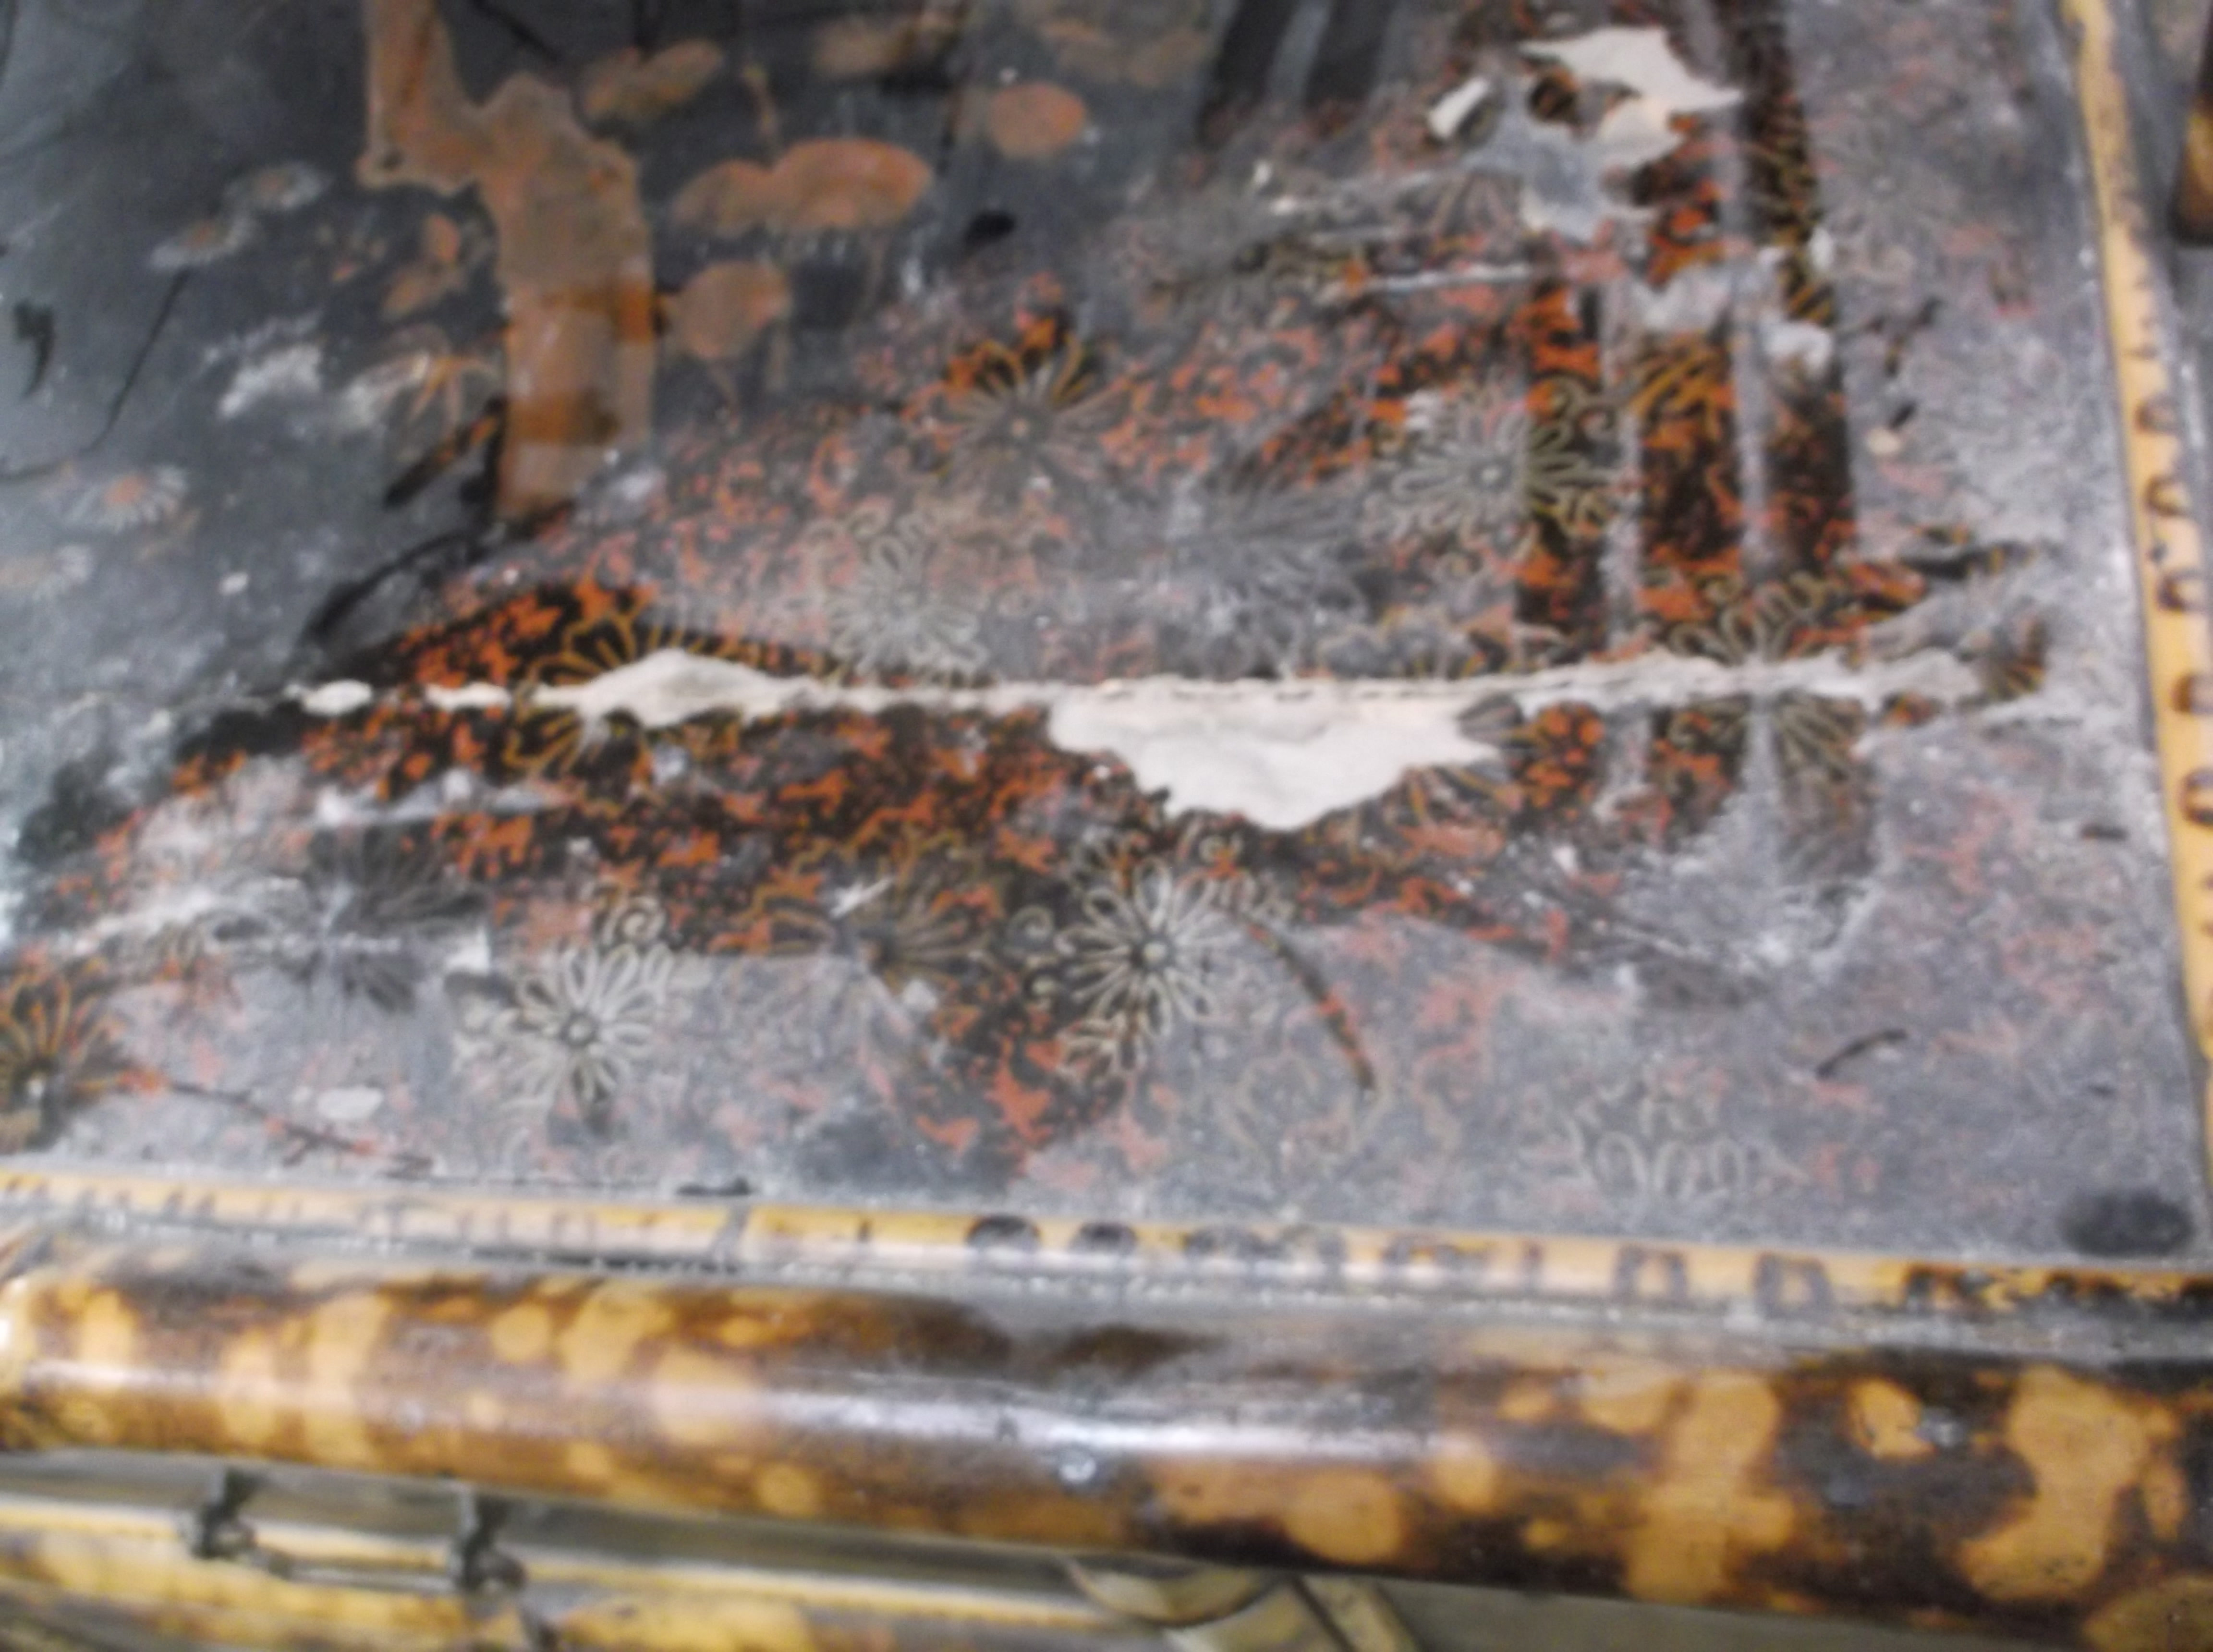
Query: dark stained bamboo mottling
{"x": 1683, "y": 1463}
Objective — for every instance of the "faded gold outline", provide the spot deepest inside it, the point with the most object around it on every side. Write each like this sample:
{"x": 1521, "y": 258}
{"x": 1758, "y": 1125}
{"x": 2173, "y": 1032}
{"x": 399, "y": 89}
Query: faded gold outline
{"x": 770, "y": 1240}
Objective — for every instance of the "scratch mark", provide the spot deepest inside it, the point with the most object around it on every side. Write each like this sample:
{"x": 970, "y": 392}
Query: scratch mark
{"x": 518, "y": 31}
{"x": 48, "y": 466}
{"x": 35, "y": 326}
{"x": 1885, "y": 1038}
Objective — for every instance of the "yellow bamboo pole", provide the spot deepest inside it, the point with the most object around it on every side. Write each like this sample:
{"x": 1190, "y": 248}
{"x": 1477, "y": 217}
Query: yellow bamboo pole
{"x": 2163, "y": 507}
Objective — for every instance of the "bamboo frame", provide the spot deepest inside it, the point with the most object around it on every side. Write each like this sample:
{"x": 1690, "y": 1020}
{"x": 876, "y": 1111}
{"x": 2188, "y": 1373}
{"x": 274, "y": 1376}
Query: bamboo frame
{"x": 2165, "y": 515}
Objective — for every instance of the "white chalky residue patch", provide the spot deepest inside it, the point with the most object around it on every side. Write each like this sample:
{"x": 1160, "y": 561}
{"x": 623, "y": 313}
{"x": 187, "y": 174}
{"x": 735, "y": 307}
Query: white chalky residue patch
{"x": 1451, "y": 111}
{"x": 469, "y": 697}
{"x": 669, "y": 686}
{"x": 1282, "y": 762}
{"x": 1695, "y": 301}
{"x": 335, "y": 700}
{"x": 1799, "y": 343}
{"x": 285, "y": 330}
{"x": 846, "y": 902}
{"x": 293, "y": 374}
{"x": 349, "y": 1104}
{"x": 1635, "y": 132}
{"x": 1281, "y": 754}
{"x": 1642, "y": 62}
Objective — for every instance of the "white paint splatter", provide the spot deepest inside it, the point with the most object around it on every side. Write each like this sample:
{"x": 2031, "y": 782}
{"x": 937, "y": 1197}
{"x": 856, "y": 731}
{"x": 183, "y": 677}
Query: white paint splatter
{"x": 669, "y": 686}
{"x": 1561, "y": 172}
{"x": 293, "y": 374}
{"x": 1454, "y": 109}
{"x": 349, "y": 1104}
{"x": 1282, "y": 761}
{"x": 846, "y": 902}
{"x": 1569, "y": 180}
{"x": 1799, "y": 343}
{"x": 285, "y": 330}
{"x": 1642, "y": 62}
{"x": 370, "y": 394}
{"x": 1695, "y": 301}
{"x": 335, "y": 700}
{"x": 1634, "y": 134}
{"x": 469, "y": 697}
{"x": 472, "y": 956}
{"x": 1281, "y": 754}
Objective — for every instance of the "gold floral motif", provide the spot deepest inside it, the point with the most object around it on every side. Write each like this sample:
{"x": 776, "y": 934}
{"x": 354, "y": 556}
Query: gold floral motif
{"x": 58, "y": 1052}
{"x": 585, "y": 1019}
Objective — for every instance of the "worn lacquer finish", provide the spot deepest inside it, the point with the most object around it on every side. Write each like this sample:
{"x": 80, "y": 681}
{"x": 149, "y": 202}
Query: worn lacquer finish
{"x": 1670, "y": 1463}
{"x": 1465, "y": 621}
{"x": 1058, "y": 711}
